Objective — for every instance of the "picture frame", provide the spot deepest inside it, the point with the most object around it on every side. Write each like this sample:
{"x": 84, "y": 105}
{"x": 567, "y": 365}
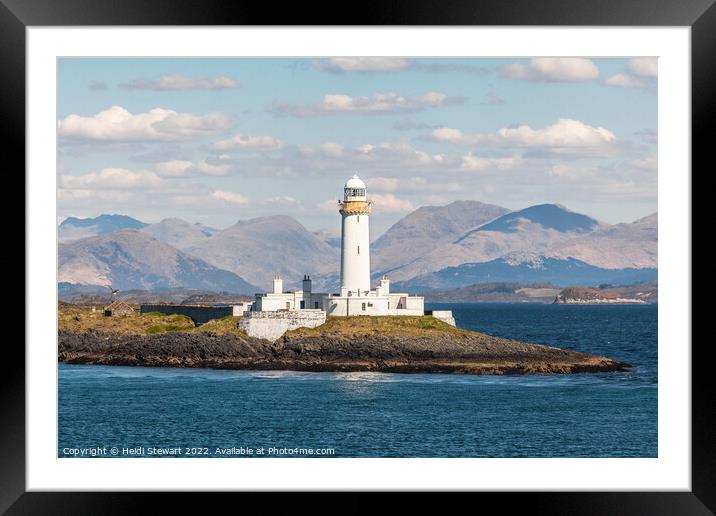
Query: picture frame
{"x": 17, "y": 15}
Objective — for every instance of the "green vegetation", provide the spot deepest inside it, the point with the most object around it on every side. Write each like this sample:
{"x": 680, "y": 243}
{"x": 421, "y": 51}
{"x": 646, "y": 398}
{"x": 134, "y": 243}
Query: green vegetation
{"x": 387, "y": 325}
{"x": 78, "y": 318}
{"x": 222, "y": 326}
{"x": 163, "y": 328}
{"x": 75, "y": 318}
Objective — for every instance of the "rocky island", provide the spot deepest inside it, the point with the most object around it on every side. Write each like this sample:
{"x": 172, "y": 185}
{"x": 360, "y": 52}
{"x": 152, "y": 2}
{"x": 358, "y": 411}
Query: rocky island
{"x": 591, "y": 296}
{"x": 381, "y": 344}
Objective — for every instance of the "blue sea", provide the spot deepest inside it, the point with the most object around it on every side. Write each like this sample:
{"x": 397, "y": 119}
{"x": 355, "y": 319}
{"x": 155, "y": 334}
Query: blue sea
{"x": 107, "y": 411}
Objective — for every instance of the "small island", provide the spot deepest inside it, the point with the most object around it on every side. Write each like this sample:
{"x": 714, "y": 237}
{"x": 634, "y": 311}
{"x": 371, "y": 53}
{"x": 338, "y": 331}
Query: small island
{"x": 391, "y": 344}
{"x": 591, "y": 296}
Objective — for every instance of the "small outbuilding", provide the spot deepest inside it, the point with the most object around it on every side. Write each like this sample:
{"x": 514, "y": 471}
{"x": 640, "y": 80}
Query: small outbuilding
{"x": 117, "y": 308}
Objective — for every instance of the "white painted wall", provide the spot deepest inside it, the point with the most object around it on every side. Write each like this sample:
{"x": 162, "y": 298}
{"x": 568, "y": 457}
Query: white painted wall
{"x": 445, "y": 316}
{"x": 272, "y": 325}
{"x": 374, "y": 305}
{"x": 355, "y": 252}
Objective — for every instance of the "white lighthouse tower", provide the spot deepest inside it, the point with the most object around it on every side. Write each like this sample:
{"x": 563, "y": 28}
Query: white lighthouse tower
{"x": 355, "y": 239}
{"x": 305, "y": 307}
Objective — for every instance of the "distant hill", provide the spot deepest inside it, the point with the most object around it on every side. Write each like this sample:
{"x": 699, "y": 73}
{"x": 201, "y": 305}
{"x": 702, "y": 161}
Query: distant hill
{"x": 495, "y": 293}
{"x": 256, "y": 249}
{"x": 434, "y": 247}
{"x": 100, "y": 295}
{"x": 648, "y": 292}
{"x": 549, "y": 216}
{"x": 418, "y": 233}
{"x": 332, "y": 238}
{"x": 532, "y": 231}
{"x": 618, "y": 246}
{"x": 633, "y": 294}
{"x": 179, "y": 233}
{"x": 131, "y": 259}
{"x": 73, "y": 228}
{"x": 535, "y": 269}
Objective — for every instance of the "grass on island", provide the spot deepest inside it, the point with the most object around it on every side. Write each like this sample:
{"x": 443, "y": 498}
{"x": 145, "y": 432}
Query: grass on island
{"x": 404, "y": 325}
{"x": 79, "y": 319}
{"x": 228, "y": 324}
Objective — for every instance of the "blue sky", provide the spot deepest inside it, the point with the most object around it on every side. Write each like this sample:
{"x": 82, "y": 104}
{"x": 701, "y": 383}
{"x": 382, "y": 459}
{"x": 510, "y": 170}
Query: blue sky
{"x": 219, "y": 140}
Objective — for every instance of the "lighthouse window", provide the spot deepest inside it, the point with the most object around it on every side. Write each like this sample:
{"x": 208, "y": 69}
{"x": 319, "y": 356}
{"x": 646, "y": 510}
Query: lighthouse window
{"x": 363, "y": 306}
{"x": 355, "y": 192}
{"x": 358, "y": 249}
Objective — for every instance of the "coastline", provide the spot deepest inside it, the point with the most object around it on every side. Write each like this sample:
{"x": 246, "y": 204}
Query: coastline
{"x": 459, "y": 352}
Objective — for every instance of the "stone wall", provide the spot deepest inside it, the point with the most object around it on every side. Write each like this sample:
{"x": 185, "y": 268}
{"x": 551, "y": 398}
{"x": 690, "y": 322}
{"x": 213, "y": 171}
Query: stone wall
{"x": 271, "y": 325}
{"x": 198, "y": 314}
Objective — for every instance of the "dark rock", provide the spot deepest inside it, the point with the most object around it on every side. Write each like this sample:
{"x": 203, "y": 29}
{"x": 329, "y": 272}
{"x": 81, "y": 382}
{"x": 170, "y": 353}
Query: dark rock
{"x": 463, "y": 354}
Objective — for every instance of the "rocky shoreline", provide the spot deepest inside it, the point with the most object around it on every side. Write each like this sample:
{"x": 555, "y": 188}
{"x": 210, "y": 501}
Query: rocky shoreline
{"x": 468, "y": 353}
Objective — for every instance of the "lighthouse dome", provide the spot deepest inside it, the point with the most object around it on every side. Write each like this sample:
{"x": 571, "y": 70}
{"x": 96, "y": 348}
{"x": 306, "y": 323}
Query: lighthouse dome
{"x": 355, "y": 182}
{"x": 354, "y": 189}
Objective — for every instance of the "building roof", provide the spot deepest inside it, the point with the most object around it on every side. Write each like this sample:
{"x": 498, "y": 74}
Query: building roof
{"x": 355, "y": 182}
{"x": 118, "y": 304}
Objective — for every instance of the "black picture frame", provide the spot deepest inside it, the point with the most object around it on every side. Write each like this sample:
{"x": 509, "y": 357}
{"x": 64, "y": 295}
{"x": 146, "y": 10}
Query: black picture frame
{"x": 17, "y": 15}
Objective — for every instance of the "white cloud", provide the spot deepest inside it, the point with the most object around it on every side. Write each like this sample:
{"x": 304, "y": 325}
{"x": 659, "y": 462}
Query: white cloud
{"x": 329, "y": 149}
{"x": 644, "y": 67}
{"x": 478, "y": 163}
{"x": 176, "y": 82}
{"x": 641, "y": 72}
{"x": 565, "y": 133}
{"x": 245, "y": 142}
{"x": 398, "y": 153}
{"x": 116, "y": 124}
{"x": 363, "y": 64}
{"x": 448, "y": 134}
{"x": 337, "y": 104}
{"x": 281, "y": 199}
{"x": 230, "y": 197}
{"x": 389, "y": 203}
{"x": 415, "y": 184}
{"x": 392, "y": 64}
{"x": 552, "y": 69}
{"x": 185, "y": 168}
{"x": 385, "y": 184}
{"x": 333, "y": 155}
{"x": 624, "y": 80}
{"x": 112, "y": 178}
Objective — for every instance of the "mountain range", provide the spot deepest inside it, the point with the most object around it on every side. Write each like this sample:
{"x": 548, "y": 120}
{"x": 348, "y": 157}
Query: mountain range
{"x": 434, "y": 247}
{"x": 129, "y": 259}
{"x": 73, "y": 228}
{"x": 259, "y": 248}
{"x": 538, "y": 232}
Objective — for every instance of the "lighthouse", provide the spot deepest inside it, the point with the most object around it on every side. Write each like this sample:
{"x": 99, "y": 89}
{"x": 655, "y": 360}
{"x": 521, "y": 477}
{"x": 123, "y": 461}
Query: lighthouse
{"x": 355, "y": 239}
{"x": 296, "y": 308}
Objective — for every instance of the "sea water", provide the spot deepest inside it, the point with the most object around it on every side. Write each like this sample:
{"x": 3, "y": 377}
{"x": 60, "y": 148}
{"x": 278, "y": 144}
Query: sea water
{"x": 112, "y": 411}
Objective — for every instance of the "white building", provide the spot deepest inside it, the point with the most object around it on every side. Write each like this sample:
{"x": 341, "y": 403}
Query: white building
{"x": 356, "y": 296}
{"x": 279, "y": 300}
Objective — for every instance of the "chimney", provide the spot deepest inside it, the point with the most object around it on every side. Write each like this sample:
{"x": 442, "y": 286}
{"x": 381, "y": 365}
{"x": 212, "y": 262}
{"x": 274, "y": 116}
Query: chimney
{"x": 384, "y": 286}
{"x": 306, "y": 284}
{"x": 277, "y": 284}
